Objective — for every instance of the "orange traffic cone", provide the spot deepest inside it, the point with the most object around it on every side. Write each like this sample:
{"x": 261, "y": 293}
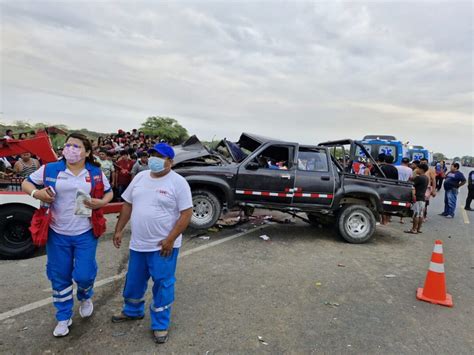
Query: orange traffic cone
{"x": 435, "y": 283}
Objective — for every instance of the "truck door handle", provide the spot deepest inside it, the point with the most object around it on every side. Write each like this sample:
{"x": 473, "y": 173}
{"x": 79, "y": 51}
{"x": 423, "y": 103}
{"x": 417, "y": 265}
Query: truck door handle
{"x": 325, "y": 178}
{"x": 287, "y": 177}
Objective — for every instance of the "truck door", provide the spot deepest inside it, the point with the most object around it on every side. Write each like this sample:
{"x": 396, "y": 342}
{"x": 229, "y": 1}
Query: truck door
{"x": 268, "y": 175}
{"x": 315, "y": 181}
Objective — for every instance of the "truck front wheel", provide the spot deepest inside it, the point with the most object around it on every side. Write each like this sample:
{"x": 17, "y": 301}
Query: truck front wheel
{"x": 206, "y": 209}
{"x": 356, "y": 224}
{"x": 15, "y": 237}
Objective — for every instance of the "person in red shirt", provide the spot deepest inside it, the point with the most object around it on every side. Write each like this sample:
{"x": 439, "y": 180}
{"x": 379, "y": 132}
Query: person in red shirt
{"x": 123, "y": 172}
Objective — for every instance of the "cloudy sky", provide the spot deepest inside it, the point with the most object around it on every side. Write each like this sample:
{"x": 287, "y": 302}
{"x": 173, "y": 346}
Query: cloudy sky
{"x": 302, "y": 71}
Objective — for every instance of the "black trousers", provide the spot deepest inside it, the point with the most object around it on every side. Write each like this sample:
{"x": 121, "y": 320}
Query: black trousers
{"x": 439, "y": 182}
{"x": 470, "y": 196}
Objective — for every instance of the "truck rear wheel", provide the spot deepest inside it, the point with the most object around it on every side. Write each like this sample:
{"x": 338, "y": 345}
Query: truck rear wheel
{"x": 356, "y": 224}
{"x": 206, "y": 209}
{"x": 15, "y": 237}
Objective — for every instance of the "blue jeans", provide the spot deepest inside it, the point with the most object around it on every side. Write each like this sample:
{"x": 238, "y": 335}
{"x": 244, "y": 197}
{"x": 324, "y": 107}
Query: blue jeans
{"x": 142, "y": 266}
{"x": 450, "y": 199}
{"x": 70, "y": 258}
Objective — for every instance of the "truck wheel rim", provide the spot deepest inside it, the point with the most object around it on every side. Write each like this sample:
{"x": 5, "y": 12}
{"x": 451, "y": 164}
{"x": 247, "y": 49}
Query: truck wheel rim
{"x": 203, "y": 210}
{"x": 357, "y": 225}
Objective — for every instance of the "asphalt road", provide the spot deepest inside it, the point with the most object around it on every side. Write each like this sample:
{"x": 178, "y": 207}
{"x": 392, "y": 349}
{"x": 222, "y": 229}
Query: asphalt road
{"x": 304, "y": 291}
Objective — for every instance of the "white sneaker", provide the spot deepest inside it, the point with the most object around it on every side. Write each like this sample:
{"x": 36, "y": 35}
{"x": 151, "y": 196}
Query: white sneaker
{"x": 86, "y": 308}
{"x": 62, "y": 328}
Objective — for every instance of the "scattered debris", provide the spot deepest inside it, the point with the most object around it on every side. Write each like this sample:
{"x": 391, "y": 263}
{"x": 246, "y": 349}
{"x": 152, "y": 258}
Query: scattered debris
{"x": 213, "y": 230}
{"x": 390, "y": 276}
{"x": 119, "y": 334}
{"x": 318, "y": 284}
{"x": 205, "y": 237}
{"x": 341, "y": 265}
{"x": 332, "y": 304}
{"x": 260, "y": 339}
{"x": 25, "y": 328}
{"x": 265, "y": 237}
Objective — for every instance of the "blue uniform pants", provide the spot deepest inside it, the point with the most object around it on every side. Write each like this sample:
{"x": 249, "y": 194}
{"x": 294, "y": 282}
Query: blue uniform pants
{"x": 450, "y": 200}
{"x": 142, "y": 266}
{"x": 70, "y": 258}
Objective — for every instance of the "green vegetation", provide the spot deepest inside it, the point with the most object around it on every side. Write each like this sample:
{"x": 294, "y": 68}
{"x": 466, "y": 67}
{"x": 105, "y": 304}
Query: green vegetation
{"x": 165, "y": 128}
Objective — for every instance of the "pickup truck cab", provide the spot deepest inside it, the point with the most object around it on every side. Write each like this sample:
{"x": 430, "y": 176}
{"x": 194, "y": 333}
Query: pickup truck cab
{"x": 294, "y": 178}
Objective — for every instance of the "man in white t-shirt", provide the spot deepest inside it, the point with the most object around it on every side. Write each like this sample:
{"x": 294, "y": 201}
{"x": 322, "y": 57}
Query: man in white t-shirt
{"x": 159, "y": 204}
{"x": 404, "y": 170}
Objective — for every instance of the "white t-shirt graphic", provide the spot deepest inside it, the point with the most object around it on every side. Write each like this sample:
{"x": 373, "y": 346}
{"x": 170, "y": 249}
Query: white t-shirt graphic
{"x": 156, "y": 207}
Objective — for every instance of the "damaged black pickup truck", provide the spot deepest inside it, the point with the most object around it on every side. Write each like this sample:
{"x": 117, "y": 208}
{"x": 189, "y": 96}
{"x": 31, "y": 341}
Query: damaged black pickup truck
{"x": 319, "y": 180}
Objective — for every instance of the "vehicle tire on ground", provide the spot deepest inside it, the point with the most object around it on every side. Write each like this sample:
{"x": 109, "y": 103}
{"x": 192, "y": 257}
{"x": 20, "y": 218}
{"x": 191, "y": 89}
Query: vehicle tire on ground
{"x": 15, "y": 237}
{"x": 317, "y": 219}
{"x": 206, "y": 209}
{"x": 356, "y": 224}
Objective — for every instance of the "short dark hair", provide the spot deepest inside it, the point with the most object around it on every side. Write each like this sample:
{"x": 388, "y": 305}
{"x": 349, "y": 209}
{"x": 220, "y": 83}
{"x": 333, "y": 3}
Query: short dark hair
{"x": 423, "y": 159}
{"x": 8, "y": 131}
{"x": 389, "y": 159}
{"x": 456, "y": 165}
{"x": 405, "y": 160}
{"x": 123, "y": 152}
{"x": 381, "y": 157}
{"x": 416, "y": 162}
{"x": 423, "y": 167}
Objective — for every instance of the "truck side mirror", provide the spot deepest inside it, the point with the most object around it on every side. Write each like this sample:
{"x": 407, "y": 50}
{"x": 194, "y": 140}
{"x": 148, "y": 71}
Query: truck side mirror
{"x": 252, "y": 166}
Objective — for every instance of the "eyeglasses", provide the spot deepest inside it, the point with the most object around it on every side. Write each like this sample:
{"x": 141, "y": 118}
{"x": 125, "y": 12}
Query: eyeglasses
{"x": 69, "y": 145}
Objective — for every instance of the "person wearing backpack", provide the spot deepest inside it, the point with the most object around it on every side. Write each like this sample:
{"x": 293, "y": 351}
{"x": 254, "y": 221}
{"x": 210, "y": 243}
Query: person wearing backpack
{"x": 71, "y": 238}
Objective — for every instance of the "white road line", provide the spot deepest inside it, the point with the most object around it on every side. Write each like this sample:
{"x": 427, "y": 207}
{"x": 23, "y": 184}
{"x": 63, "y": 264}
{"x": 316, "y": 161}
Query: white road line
{"x": 46, "y": 301}
{"x": 464, "y": 215}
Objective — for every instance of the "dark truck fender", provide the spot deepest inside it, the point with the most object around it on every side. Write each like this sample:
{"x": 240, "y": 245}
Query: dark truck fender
{"x": 215, "y": 184}
{"x": 356, "y": 194}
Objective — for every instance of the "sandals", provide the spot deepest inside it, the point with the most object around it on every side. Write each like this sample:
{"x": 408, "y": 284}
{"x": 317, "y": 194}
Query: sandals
{"x": 124, "y": 318}
{"x": 411, "y": 232}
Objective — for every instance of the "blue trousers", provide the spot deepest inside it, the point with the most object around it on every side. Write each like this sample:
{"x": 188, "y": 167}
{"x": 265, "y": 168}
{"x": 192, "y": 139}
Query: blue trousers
{"x": 142, "y": 266}
{"x": 70, "y": 258}
{"x": 450, "y": 199}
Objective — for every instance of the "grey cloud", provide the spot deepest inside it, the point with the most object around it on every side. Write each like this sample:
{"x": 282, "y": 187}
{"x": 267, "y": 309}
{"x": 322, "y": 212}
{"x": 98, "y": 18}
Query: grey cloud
{"x": 267, "y": 67}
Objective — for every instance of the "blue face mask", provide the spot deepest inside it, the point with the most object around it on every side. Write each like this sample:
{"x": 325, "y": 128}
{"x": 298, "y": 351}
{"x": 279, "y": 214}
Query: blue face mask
{"x": 156, "y": 165}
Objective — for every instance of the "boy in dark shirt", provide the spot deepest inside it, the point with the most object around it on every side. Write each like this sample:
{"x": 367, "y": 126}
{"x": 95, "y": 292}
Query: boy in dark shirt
{"x": 420, "y": 184}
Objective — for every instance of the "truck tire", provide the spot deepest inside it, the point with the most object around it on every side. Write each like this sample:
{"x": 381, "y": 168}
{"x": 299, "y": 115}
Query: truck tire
{"x": 356, "y": 224}
{"x": 206, "y": 209}
{"x": 15, "y": 237}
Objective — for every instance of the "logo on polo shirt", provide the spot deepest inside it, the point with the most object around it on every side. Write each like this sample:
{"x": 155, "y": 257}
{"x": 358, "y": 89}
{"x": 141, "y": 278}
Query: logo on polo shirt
{"x": 88, "y": 178}
{"x": 163, "y": 192}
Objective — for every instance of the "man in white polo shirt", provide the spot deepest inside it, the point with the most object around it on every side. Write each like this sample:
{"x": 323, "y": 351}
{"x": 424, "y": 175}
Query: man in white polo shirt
{"x": 159, "y": 204}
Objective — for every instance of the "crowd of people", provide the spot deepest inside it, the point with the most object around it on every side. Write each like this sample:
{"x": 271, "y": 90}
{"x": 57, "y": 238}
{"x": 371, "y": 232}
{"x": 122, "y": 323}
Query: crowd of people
{"x": 428, "y": 179}
{"x": 121, "y": 156}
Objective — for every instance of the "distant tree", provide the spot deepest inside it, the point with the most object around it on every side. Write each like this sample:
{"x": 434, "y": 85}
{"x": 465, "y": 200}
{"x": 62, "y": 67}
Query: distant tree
{"x": 439, "y": 156}
{"x": 456, "y": 159}
{"x": 165, "y": 128}
{"x": 22, "y": 126}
